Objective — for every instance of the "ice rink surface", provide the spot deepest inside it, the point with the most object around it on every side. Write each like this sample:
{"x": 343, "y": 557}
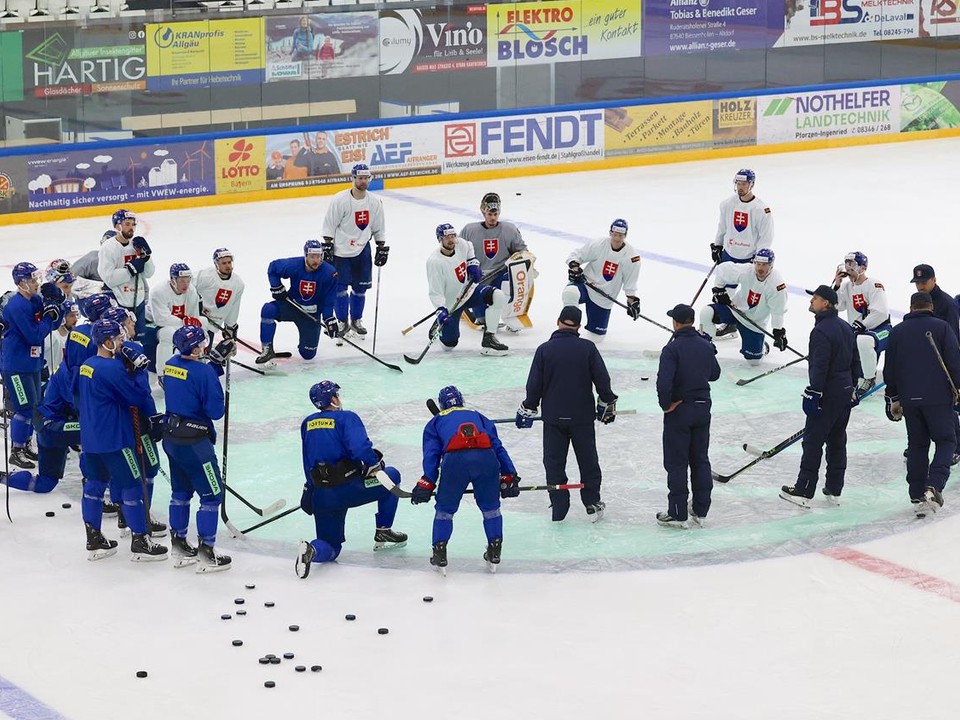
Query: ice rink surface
{"x": 770, "y": 611}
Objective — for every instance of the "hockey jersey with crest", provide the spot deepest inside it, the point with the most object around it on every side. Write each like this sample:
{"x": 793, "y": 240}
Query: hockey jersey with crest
{"x": 493, "y": 246}
{"x": 755, "y": 298}
{"x": 610, "y": 270}
{"x": 220, "y": 298}
{"x": 744, "y": 227}
{"x": 353, "y": 223}
{"x": 447, "y": 276}
{"x": 866, "y": 302}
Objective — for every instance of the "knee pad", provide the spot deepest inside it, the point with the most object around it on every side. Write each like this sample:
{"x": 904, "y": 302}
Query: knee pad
{"x": 268, "y": 312}
{"x": 211, "y": 503}
{"x": 490, "y": 514}
{"x": 486, "y": 294}
{"x": 307, "y": 353}
{"x": 450, "y": 343}
{"x": 570, "y": 295}
{"x": 866, "y": 343}
{"x": 343, "y": 290}
{"x": 181, "y": 497}
{"x": 44, "y": 484}
{"x": 94, "y": 489}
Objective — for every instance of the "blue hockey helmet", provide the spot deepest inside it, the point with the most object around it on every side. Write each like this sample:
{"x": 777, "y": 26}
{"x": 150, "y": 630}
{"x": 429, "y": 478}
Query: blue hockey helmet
{"x": 312, "y": 247}
{"x": 764, "y": 255}
{"x": 323, "y": 393}
{"x": 107, "y": 235}
{"x": 120, "y": 215}
{"x": 221, "y": 253}
{"x": 745, "y": 175}
{"x": 117, "y": 314}
{"x": 69, "y": 306}
{"x": 361, "y": 170}
{"x": 857, "y": 258}
{"x": 180, "y": 270}
{"x": 444, "y": 229}
{"x": 25, "y": 271}
{"x": 94, "y": 306}
{"x": 187, "y": 338}
{"x": 449, "y": 397}
{"x": 619, "y": 225}
{"x": 104, "y": 330}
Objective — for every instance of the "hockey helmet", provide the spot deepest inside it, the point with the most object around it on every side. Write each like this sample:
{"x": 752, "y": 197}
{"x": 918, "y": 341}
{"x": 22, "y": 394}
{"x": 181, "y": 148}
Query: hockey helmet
{"x": 323, "y": 393}
{"x": 444, "y": 229}
{"x": 120, "y": 215}
{"x": 745, "y": 175}
{"x": 449, "y": 397}
{"x": 104, "y": 330}
{"x": 187, "y": 338}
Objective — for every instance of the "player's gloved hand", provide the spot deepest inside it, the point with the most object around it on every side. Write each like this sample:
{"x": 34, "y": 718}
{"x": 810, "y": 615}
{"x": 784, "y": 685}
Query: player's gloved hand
{"x": 157, "y": 423}
{"x": 224, "y": 350}
{"x": 383, "y": 251}
{"x": 509, "y": 485}
{"x": 229, "y": 332}
{"x": 327, "y": 247}
{"x": 136, "y": 265}
{"x": 331, "y": 327}
{"x": 442, "y": 315}
{"x": 811, "y": 401}
{"x": 780, "y": 339}
{"x": 893, "y": 409}
{"x": 133, "y": 357}
{"x": 190, "y": 321}
{"x": 607, "y": 412}
{"x": 575, "y": 273}
{"x": 473, "y": 272}
{"x": 377, "y": 466}
{"x": 141, "y": 245}
{"x": 422, "y": 491}
{"x": 859, "y": 328}
{"x": 51, "y": 293}
{"x": 279, "y": 292}
{"x": 716, "y": 252}
{"x": 720, "y": 296}
{"x": 633, "y": 306}
{"x": 52, "y": 311}
{"x": 525, "y": 416}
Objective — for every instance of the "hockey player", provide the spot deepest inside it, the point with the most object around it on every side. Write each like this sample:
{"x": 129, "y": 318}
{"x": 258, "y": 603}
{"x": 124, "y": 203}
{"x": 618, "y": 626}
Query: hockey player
{"x": 107, "y": 394}
{"x": 453, "y": 277}
{"x": 610, "y": 264}
{"x": 461, "y": 448}
{"x": 495, "y": 245}
{"x": 313, "y": 286}
{"x": 762, "y": 296}
{"x": 74, "y": 286}
{"x": 340, "y": 466}
{"x": 220, "y": 290}
{"x": 194, "y": 400}
{"x": 124, "y": 263}
{"x": 865, "y": 301}
{"x": 173, "y": 306}
{"x": 746, "y": 224}
{"x": 53, "y": 352}
{"x": 353, "y": 218}
{"x": 28, "y": 318}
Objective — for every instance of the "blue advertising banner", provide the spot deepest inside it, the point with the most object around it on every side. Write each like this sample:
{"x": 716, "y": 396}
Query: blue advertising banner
{"x": 674, "y": 27}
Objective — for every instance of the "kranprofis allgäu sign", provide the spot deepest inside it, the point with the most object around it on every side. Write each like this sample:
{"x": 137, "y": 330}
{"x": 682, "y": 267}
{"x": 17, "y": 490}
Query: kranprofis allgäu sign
{"x": 533, "y": 33}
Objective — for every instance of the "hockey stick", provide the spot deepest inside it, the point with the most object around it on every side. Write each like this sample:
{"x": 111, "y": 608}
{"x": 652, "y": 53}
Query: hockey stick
{"x": 376, "y": 312}
{"x": 234, "y": 530}
{"x": 6, "y": 438}
{"x": 435, "y": 328}
{"x": 240, "y": 341}
{"x": 247, "y": 367}
{"x": 943, "y": 366}
{"x": 138, "y": 443}
{"x": 739, "y": 313}
{"x": 704, "y": 283}
{"x": 486, "y": 278}
{"x": 345, "y": 339}
{"x": 612, "y": 299}
{"x": 747, "y": 381}
{"x": 401, "y": 493}
{"x": 286, "y": 512}
{"x": 502, "y": 421}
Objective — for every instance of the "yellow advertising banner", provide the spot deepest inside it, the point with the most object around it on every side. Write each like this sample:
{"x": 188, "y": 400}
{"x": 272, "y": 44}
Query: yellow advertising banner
{"x": 205, "y": 53}
{"x": 536, "y": 33}
{"x": 240, "y": 164}
{"x": 667, "y": 126}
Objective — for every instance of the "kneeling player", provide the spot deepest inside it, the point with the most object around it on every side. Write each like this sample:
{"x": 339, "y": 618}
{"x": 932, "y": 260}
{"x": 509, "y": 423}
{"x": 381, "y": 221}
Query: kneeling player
{"x": 340, "y": 465}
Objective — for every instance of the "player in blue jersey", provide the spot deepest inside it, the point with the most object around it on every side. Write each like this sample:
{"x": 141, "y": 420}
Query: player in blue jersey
{"x": 78, "y": 346}
{"x": 194, "y": 400}
{"x": 110, "y": 448}
{"x": 461, "y": 448}
{"x": 313, "y": 286}
{"x": 28, "y": 317}
{"x": 340, "y": 466}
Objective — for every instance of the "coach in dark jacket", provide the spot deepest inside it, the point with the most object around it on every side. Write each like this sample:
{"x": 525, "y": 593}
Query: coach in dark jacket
{"x": 564, "y": 372}
{"x": 833, "y": 372}
{"x": 918, "y": 389}
{"x": 944, "y": 306}
{"x": 688, "y": 364}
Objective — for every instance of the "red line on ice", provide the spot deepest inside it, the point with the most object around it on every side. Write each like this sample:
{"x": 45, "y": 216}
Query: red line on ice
{"x": 897, "y": 573}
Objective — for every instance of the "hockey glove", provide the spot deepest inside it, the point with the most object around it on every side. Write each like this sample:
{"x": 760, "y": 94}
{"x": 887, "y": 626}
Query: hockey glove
{"x": 331, "y": 327}
{"x": 422, "y": 491}
{"x": 229, "y": 332}
{"x": 157, "y": 423}
{"x": 633, "y": 306}
{"x": 509, "y": 485}
{"x": 607, "y": 412}
{"x": 327, "y": 247}
{"x": 52, "y": 311}
{"x": 442, "y": 315}
{"x": 720, "y": 296}
{"x": 894, "y": 410}
{"x": 133, "y": 357}
{"x": 222, "y": 353}
{"x": 575, "y": 273}
{"x": 473, "y": 272}
{"x": 279, "y": 292}
{"x": 190, "y": 321}
{"x": 383, "y": 251}
{"x": 377, "y": 466}
{"x": 780, "y": 339}
{"x": 525, "y": 416}
{"x": 859, "y": 328}
{"x": 141, "y": 245}
{"x": 811, "y": 402}
{"x": 51, "y": 293}
{"x": 716, "y": 253}
{"x": 136, "y": 265}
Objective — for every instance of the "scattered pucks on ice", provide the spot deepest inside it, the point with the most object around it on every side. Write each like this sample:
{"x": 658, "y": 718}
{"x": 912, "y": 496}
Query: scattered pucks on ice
{"x": 50, "y": 513}
{"x": 238, "y": 601}
{"x": 226, "y": 616}
{"x": 141, "y": 673}
{"x": 237, "y": 643}
{"x": 428, "y": 598}
{"x": 351, "y": 617}
{"x": 264, "y": 661}
{"x": 316, "y": 668}
{"x": 269, "y": 684}
{"x": 271, "y": 656}
{"x": 275, "y": 661}
{"x": 294, "y": 628}
{"x": 66, "y": 506}
{"x": 301, "y": 668}
{"x": 288, "y": 656}
{"x": 383, "y": 631}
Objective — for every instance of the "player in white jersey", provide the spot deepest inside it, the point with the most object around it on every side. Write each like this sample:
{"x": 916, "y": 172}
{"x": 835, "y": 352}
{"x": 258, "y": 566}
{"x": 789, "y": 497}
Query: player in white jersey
{"x": 498, "y": 245}
{"x": 761, "y": 296}
{"x": 353, "y": 218}
{"x": 865, "y": 301}
{"x": 610, "y": 264}
{"x": 124, "y": 264}
{"x": 53, "y": 347}
{"x": 453, "y": 276}
{"x": 74, "y": 287}
{"x": 220, "y": 290}
{"x": 172, "y": 306}
{"x": 745, "y": 225}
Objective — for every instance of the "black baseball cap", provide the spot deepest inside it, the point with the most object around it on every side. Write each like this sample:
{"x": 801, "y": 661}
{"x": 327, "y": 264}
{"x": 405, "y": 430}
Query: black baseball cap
{"x": 683, "y": 314}
{"x": 570, "y": 316}
{"x": 826, "y": 292}
{"x": 922, "y": 272}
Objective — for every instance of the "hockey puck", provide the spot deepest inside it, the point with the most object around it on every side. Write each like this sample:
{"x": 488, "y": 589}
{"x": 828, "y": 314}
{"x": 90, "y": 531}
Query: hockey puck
{"x": 250, "y": 586}
{"x": 269, "y": 684}
{"x": 351, "y": 617}
{"x": 241, "y": 612}
{"x": 271, "y": 656}
{"x": 66, "y": 506}
{"x": 238, "y": 601}
{"x": 268, "y": 604}
{"x": 275, "y": 661}
{"x": 264, "y": 661}
{"x": 428, "y": 598}
{"x": 316, "y": 668}
{"x": 237, "y": 643}
{"x": 519, "y": 194}
{"x": 294, "y": 628}
{"x": 288, "y": 656}
{"x": 141, "y": 673}
{"x": 226, "y": 617}
{"x": 383, "y": 631}
{"x": 50, "y": 513}
{"x": 644, "y": 377}
{"x": 301, "y": 668}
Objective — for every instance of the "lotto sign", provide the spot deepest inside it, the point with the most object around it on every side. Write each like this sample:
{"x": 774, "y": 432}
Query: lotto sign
{"x": 240, "y": 166}
{"x": 816, "y": 116}
{"x": 844, "y": 21}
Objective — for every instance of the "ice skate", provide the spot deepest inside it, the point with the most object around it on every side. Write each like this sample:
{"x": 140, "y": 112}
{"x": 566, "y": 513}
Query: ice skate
{"x": 122, "y": 523}
{"x": 934, "y": 499}
{"x": 492, "y": 554}
{"x": 865, "y": 385}
{"x": 665, "y": 519}
{"x": 19, "y": 457}
{"x": 955, "y": 459}
{"x": 342, "y": 330}
{"x": 919, "y": 508}
{"x": 305, "y": 554}
{"x": 266, "y": 356}
{"x": 98, "y": 547}
{"x": 156, "y": 528}
{"x": 183, "y": 552}
{"x": 388, "y": 538}
{"x": 359, "y": 330}
{"x": 695, "y": 520}
{"x": 491, "y": 346}
{"x": 792, "y": 495}
{"x": 210, "y": 560}
{"x": 143, "y": 549}
{"x": 512, "y": 325}
{"x": 29, "y": 451}
{"x": 833, "y": 500}
{"x": 110, "y": 509}
{"x": 595, "y": 511}
{"x": 727, "y": 332}
{"x": 439, "y": 558}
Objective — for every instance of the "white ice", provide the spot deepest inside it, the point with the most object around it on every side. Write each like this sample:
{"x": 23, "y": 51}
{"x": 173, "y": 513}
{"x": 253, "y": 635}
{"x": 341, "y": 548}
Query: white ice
{"x": 748, "y": 618}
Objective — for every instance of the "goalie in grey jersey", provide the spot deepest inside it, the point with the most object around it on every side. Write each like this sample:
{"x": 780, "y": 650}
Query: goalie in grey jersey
{"x": 499, "y": 245}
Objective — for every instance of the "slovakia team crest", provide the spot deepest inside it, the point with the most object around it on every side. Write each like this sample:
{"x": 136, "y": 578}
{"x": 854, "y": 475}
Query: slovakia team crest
{"x": 610, "y": 270}
{"x": 859, "y": 303}
{"x": 362, "y": 218}
{"x": 461, "y": 271}
{"x": 491, "y": 246}
{"x": 740, "y": 220}
{"x": 753, "y": 299}
{"x": 223, "y": 297}
{"x": 179, "y": 311}
{"x": 307, "y": 289}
